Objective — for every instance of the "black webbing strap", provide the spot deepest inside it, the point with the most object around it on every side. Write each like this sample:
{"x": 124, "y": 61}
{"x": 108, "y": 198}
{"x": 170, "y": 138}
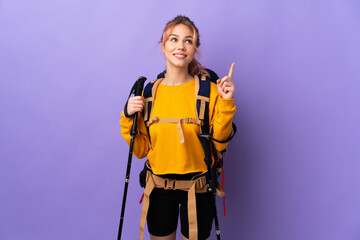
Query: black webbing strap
{"x": 234, "y": 129}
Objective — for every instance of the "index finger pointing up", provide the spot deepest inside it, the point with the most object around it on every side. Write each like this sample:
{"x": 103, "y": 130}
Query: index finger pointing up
{"x": 231, "y": 70}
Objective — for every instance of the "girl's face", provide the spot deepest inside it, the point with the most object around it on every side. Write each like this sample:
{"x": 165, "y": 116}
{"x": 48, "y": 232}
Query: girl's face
{"x": 179, "y": 48}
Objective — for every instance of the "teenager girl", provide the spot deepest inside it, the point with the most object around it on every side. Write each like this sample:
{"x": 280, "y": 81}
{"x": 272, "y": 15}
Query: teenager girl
{"x": 171, "y": 156}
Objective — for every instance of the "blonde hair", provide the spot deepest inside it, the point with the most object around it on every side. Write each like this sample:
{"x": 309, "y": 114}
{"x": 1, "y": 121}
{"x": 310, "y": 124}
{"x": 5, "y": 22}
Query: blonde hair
{"x": 195, "y": 67}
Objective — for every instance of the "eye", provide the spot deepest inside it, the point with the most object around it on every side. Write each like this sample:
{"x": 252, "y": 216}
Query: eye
{"x": 188, "y": 41}
{"x": 173, "y": 39}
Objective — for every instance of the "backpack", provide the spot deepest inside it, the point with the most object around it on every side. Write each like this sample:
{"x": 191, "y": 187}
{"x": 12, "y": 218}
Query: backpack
{"x": 205, "y": 182}
{"x": 202, "y": 81}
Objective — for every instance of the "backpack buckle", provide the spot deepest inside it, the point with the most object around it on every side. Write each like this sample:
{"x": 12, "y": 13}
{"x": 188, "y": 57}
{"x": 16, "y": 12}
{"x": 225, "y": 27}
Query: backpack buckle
{"x": 200, "y": 182}
{"x": 207, "y": 136}
{"x": 169, "y": 184}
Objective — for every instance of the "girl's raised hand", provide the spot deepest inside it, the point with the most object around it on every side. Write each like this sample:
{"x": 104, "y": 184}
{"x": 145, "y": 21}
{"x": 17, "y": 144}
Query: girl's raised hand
{"x": 225, "y": 86}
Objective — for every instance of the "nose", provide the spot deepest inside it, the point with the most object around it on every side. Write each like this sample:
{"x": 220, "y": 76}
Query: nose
{"x": 181, "y": 45}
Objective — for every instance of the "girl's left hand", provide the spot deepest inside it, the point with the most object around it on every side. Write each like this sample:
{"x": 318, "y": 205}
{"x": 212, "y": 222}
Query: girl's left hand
{"x": 225, "y": 86}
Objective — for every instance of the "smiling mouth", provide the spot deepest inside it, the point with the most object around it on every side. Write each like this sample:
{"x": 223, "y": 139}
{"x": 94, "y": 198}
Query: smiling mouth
{"x": 179, "y": 56}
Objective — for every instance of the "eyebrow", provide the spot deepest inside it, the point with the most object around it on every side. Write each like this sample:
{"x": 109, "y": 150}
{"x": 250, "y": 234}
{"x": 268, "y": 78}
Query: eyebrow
{"x": 188, "y": 36}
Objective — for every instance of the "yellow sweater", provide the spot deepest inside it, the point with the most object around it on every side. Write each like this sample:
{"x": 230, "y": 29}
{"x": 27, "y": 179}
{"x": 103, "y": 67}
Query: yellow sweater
{"x": 166, "y": 154}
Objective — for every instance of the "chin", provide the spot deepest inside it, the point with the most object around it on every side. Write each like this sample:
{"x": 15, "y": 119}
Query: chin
{"x": 179, "y": 65}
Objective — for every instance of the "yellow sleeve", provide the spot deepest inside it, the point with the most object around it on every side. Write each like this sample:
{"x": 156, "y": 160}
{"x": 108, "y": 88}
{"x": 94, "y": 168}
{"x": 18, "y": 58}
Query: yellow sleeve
{"x": 221, "y": 115}
{"x": 141, "y": 141}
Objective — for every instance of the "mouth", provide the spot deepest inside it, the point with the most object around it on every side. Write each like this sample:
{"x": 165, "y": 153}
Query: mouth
{"x": 180, "y": 55}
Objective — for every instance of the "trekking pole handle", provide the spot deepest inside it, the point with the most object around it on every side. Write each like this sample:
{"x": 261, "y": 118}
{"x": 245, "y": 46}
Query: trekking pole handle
{"x": 139, "y": 85}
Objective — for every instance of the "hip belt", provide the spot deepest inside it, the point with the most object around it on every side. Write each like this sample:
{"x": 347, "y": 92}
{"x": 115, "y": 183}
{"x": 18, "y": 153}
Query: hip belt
{"x": 196, "y": 185}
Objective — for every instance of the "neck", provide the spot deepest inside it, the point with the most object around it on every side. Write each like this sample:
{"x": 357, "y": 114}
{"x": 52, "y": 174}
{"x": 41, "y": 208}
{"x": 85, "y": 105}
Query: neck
{"x": 176, "y": 76}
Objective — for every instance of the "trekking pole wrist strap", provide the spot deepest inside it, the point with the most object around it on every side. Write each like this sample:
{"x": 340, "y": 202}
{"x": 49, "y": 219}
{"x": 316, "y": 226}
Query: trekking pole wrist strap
{"x": 126, "y": 112}
{"x": 229, "y": 138}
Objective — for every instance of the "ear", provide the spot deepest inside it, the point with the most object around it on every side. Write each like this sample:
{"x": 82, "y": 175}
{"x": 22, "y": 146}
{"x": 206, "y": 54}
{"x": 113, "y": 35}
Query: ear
{"x": 162, "y": 48}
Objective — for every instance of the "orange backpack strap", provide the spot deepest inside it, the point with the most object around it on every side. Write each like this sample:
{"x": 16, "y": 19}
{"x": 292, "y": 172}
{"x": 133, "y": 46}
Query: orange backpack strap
{"x": 202, "y": 96}
{"x": 196, "y": 185}
{"x": 149, "y": 97}
{"x": 202, "y": 92}
{"x": 179, "y": 122}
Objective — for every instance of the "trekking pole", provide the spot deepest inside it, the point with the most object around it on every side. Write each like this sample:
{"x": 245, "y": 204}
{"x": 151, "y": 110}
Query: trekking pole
{"x": 205, "y": 142}
{"x": 136, "y": 89}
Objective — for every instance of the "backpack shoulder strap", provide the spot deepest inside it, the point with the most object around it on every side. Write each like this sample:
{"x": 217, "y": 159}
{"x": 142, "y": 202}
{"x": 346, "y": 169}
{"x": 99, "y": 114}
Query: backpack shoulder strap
{"x": 149, "y": 97}
{"x": 202, "y": 91}
{"x": 202, "y": 96}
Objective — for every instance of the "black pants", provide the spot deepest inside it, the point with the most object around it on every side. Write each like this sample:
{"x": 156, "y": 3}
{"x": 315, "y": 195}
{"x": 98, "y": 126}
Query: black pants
{"x": 164, "y": 212}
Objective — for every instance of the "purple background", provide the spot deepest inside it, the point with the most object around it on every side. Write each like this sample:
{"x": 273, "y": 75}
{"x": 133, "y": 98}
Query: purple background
{"x": 66, "y": 68}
